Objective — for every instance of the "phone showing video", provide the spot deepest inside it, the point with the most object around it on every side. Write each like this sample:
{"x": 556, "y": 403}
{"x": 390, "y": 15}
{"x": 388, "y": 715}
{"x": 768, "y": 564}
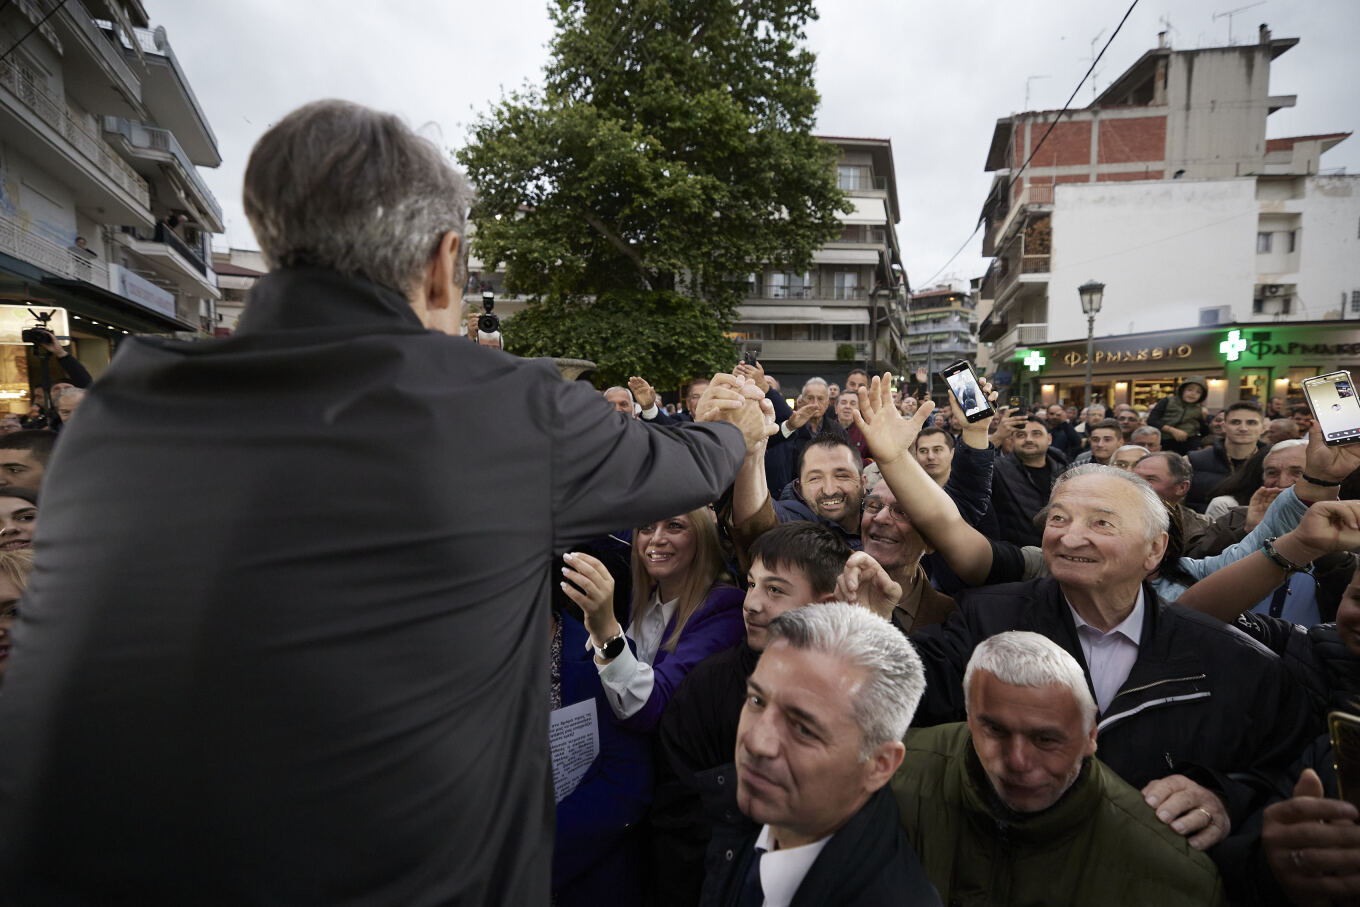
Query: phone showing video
{"x": 963, "y": 382}
{"x": 1345, "y": 732}
{"x": 1336, "y": 410}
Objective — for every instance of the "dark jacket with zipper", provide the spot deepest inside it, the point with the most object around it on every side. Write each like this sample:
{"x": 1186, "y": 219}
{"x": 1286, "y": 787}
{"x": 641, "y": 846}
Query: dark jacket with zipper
{"x": 1203, "y": 699}
{"x": 1016, "y": 497}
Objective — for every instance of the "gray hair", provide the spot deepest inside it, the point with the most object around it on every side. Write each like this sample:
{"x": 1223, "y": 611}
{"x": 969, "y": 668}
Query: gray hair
{"x": 1020, "y": 658}
{"x": 1125, "y": 447}
{"x": 884, "y": 704}
{"x": 609, "y": 390}
{"x": 811, "y": 381}
{"x": 1177, "y": 465}
{"x": 1147, "y": 431}
{"x": 1286, "y": 445}
{"x": 1154, "y": 511}
{"x": 339, "y": 186}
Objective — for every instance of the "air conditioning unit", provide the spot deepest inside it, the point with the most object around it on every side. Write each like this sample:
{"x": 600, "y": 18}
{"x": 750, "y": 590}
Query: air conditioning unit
{"x": 1272, "y": 289}
{"x": 1221, "y": 314}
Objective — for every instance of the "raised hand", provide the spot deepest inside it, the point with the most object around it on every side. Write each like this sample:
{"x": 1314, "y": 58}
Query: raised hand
{"x": 590, "y": 586}
{"x": 864, "y": 582}
{"x": 886, "y": 431}
{"x": 642, "y": 392}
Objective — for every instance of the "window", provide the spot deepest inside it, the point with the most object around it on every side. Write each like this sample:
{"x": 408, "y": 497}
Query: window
{"x": 847, "y": 285}
{"x": 1293, "y": 240}
{"x": 852, "y": 178}
{"x": 840, "y": 332}
{"x": 1262, "y": 242}
{"x": 1355, "y": 302}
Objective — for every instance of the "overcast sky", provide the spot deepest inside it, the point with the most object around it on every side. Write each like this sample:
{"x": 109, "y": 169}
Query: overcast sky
{"x": 931, "y": 76}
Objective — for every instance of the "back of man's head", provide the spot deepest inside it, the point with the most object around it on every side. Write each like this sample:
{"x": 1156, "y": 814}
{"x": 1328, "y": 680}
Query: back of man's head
{"x": 37, "y": 442}
{"x": 894, "y": 674}
{"x": 815, "y": 551}
{"x": 338, "y": 186}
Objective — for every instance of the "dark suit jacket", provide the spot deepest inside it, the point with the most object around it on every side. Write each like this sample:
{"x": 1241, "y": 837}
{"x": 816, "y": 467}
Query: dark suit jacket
{"x": 285, "y": 643}
{"x": 867, "y": 863}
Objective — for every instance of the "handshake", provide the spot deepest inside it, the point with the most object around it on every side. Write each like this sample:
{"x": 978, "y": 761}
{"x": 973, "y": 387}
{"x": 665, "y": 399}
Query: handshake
{"x": 738, "y": 400}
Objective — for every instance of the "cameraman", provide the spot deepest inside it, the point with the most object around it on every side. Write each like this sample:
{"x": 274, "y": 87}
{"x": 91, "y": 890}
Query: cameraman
{"x": 69, "y": 364}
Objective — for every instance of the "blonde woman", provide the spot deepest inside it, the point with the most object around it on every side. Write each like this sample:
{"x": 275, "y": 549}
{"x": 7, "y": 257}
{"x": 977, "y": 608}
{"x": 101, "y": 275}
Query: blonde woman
{"x": 15, "y": 565}
{"x": 684, "y": 609}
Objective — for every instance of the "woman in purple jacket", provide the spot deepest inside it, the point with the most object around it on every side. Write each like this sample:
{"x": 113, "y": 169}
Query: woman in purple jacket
{"x": 684, "y": 609}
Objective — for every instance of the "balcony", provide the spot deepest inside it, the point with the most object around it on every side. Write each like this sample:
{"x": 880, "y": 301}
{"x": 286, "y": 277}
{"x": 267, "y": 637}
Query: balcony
{"x": 18, "y": 240}
{"x": 159, "y": 148}
{"x": 937, "y": 326}
{"x": 810, "y": 294}
{"x": 101, "y": 64}
{"x": 1031, "y": 196}
{"x": 173, "y": 260}
{"x": 1018, "y": 270}
{"x": 808, "y": 350}
{"x": 943, "y": 348}
{"x": 1019, "y": 337}
{"x": 41, "y": 127}
{"x": 171, "y": 101}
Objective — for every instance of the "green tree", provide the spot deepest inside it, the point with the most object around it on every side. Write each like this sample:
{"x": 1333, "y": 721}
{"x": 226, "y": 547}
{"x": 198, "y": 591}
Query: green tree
{"x": 667, "y": 156}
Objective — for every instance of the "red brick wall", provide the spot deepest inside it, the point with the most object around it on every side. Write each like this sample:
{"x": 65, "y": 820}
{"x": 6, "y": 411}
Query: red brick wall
{"x": 1132, "y": 140}
{"x": 1075, "y": 178}
{"x": 1126, "y": 177}
{"x": 1068, "y": 145}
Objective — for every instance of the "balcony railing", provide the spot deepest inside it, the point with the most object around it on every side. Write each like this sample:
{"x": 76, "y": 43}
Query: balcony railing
{"x": 811, "y": 293}
{"x": 21, "y": 242}
{"x": 950, "y": 347}
{"x": 1030, "y": 195}
{"x": 936, "y": 327}
{"x": 167, "y": 237}
{"x": 1023, "y": 335}
{"x": 154, "y": 138}
{"x": 54, "y": 113}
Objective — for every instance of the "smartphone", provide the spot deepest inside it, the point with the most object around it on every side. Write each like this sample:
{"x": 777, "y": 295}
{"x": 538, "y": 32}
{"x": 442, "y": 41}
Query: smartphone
{"x": 749, "y": 357}
{"x": 1016, "y": 403}
{"x": 1345, "y": 732}
{"x": 963, "y": 381}
{"x": 1336, "y": 409}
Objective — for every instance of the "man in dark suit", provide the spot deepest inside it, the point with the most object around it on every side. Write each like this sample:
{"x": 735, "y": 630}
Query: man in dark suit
{"x": 820, "y": 736}
{"x": 303, "y": 632}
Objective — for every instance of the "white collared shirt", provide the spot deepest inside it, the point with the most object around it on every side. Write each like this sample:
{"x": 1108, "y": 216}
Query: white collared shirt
{"x": 1111, "y": 656}
{"x": 782, "y": 871}
{"x": 628, "y": 679}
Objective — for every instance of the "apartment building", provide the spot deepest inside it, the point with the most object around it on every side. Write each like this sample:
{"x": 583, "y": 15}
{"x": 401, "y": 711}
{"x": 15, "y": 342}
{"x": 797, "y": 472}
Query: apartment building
{"x": 1167, "y": 190}
{"x": 849, "y": 309}
{"x": 102, "y": 210}
{"x": 941, "y": 327}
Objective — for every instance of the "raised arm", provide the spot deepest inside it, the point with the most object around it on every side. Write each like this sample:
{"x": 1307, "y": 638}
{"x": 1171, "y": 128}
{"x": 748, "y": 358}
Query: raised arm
{"x": 931, "y": 510}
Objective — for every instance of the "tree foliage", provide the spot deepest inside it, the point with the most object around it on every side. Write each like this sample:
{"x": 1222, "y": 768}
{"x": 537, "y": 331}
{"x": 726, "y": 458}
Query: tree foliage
{"x": 669, "y": 149}
{"x": 678, "y": 339}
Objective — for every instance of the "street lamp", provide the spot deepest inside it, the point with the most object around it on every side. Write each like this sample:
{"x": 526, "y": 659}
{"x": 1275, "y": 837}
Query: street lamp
{"x": 1092, "y": 294}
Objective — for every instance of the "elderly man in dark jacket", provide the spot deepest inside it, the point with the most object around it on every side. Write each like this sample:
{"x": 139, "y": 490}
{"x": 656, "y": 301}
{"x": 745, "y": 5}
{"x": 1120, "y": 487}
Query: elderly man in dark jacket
{"x": 308, "y": 667}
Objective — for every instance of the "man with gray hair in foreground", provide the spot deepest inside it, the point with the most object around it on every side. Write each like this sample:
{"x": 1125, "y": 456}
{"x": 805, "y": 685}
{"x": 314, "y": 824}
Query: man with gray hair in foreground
{"x": 1019, "y": 782}
{"x": 324, "y": 680}
{"x": 819, "y": 737}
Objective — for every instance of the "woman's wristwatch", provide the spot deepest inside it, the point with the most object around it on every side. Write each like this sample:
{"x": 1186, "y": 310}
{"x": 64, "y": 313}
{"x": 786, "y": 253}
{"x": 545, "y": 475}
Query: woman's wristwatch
{"x": 611, "y": 648}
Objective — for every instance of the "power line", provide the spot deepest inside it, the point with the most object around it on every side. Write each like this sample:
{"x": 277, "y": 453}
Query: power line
{"x": 41, "y": 22}
{"x": 1051, "y": 126}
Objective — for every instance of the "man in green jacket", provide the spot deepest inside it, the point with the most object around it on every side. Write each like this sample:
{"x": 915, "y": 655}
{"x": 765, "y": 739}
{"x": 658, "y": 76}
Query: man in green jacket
{"x": 1013, "y": 808}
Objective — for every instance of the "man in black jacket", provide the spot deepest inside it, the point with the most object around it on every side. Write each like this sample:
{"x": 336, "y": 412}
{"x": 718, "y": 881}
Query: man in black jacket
{"x": 1064, "y": 433}
{"x": 1185, "y": 701}
{"x": 332, "y": 668}
{"x": 792, "y": 565}
{"x": 819, "y": 738}
{"x": 1022, "y": 481}
{"x": 1242, "y": 430}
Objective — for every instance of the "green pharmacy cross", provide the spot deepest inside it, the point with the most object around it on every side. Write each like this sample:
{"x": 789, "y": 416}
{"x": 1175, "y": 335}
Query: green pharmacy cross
{"x": 1234, "y": 346}
{"x": 1034, "y": 361}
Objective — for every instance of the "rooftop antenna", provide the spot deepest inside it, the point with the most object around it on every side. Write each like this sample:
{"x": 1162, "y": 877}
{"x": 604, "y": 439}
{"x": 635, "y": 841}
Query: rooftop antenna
{"x": 1229, "y": 13}
{"x": 1092, "y": 59}
{"x": 1169, "y": 28}
{"x": 1029, "y": 79}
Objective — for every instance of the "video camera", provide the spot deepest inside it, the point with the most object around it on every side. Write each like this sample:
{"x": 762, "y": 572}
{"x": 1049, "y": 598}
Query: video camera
{"x": 39, "y": 333}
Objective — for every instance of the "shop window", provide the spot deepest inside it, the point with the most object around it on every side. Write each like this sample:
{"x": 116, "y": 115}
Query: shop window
{"x": 1262, "y": 243}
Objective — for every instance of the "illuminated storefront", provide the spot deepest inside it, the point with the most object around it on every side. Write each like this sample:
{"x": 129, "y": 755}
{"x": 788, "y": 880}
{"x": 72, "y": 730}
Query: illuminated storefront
{"x": 1241, "y": 361}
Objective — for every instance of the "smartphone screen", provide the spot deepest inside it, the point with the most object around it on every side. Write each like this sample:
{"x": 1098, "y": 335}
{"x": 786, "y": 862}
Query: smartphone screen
{"x": 964, "y": 383}
{"x": 1335, "y": 407}
{"x": 1345, "y": 733}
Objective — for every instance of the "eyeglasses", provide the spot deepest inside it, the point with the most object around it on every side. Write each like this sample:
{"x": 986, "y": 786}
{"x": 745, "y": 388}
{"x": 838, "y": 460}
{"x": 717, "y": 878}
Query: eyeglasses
{"x": 873, "y": 507}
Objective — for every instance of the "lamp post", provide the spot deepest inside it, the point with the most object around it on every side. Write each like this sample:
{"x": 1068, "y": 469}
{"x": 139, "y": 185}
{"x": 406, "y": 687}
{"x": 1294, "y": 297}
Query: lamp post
{"x": 1092, "y": 294}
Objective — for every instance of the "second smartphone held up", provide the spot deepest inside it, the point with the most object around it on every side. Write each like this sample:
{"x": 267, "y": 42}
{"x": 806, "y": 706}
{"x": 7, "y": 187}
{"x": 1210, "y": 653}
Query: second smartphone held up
{"x": 963, "y": 381}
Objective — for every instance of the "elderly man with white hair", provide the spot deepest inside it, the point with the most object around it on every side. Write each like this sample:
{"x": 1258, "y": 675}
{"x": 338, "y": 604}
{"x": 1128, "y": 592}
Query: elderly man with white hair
{"x": 1020, "y": 783}
{"x": 1184, "y": 701}
{"x": 819, "y": 738}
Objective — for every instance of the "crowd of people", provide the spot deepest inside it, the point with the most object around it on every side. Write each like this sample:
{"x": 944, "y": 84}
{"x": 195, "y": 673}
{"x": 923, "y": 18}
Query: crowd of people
{"x": 441, "y": 628}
